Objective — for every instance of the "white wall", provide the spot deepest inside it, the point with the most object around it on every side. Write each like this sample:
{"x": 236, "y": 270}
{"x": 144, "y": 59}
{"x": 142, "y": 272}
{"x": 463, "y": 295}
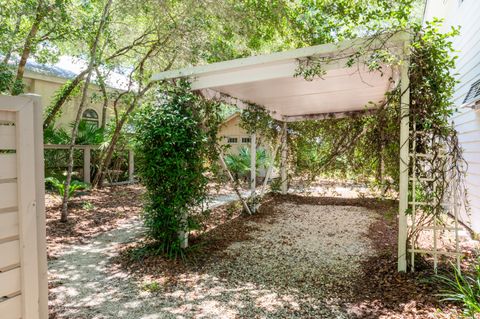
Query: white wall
{"x": 465, "y": 14}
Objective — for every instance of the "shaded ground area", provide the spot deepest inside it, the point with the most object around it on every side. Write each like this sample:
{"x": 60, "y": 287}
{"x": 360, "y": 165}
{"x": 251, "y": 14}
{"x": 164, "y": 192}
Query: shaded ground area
{"x": 90, "y": 214}
{"x": 300, "y": 257}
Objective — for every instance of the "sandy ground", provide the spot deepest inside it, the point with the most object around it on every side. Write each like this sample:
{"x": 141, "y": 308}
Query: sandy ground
{"x": 299, "y": 257}
{"x": 285, "y": 270}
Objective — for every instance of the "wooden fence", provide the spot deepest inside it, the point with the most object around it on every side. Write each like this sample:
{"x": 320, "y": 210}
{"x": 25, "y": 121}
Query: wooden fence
{"x": 23, "y": 262}
{"x": 87, "y": 161}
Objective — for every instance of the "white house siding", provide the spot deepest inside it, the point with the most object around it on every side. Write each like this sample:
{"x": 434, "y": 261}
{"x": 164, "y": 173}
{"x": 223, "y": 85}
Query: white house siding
{"x": 465, "y": 14}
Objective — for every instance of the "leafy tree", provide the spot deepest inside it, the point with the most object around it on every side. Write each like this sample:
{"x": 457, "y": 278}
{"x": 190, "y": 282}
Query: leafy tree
{"x": 173, "y": 143}
{"x": 34, "y": 28}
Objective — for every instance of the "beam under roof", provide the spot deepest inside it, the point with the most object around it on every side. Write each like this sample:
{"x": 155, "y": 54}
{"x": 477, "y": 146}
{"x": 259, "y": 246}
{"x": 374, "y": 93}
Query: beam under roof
{"x": 269, "y": 81}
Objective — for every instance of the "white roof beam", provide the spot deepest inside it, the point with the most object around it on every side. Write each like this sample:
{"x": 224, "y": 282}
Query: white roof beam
{"x": 330, "y": 49}
{"x": 250, "y": 75}
{"x": 328, "y": 116}
{"x": 221, "y": 97}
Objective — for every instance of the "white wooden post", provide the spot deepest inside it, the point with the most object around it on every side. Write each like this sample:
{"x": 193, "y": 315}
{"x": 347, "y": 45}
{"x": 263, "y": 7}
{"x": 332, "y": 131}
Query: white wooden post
{"x": 131, "y": 165}
{"x": 86, "y": 164}
{"x": 27, "y": 219}
{"x": 183, "y": 234}
{"x": 404, "y": 167}
{"x": 40, "y": 205}
{"x": 270, "y": 168}
{"x": 235, "y": 187}
{"x": 283, "y": 172}
{"x": 253, "y": 167}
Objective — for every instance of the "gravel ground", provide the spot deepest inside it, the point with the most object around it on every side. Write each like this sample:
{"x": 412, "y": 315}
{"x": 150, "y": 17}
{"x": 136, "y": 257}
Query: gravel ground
{"x": 290, "y": 267}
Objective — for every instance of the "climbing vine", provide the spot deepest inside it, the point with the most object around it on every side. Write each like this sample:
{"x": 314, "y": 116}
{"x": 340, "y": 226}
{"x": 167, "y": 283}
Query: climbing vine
{"x": 361, "y": 147}
{"x": 175, "y": 138}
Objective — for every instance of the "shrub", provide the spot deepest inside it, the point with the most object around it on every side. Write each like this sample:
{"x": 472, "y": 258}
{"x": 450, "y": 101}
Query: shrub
{"x": 175, "y": 137}
{"x": 463, "y": 288}
{"x": 239, "y": 164}
{"x": 59, "y": 186}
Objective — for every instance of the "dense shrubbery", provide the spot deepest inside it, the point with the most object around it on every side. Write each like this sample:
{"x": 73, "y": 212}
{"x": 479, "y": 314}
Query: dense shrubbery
{"x": 175, "y": 137}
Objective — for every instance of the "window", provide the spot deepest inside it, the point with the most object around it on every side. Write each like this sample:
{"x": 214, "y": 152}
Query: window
{"x": 246, "y": 140}
{"x": 232, "y": 140}
{"x": 474, "y": 93}
{"x": 90, "y": 116}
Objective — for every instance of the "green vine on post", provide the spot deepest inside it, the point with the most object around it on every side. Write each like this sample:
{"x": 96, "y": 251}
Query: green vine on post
{"x": 343, "y": 147}
{"x": 175, "y": 142}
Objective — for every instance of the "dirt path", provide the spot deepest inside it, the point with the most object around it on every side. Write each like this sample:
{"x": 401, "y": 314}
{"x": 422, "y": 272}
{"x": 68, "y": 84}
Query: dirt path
{"x": 287, "y": 270}
{"x": 83, "y": 284}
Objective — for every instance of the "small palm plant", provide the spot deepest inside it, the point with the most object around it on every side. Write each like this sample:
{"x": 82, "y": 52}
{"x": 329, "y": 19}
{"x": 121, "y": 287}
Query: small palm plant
{"x": 464, "y": 289}
{"x": 59, "y": 186}
{"x": 240, "y": 164}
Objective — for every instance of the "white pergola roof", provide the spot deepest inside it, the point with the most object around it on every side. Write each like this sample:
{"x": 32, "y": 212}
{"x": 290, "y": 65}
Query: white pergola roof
{"x": 269, "y": 81}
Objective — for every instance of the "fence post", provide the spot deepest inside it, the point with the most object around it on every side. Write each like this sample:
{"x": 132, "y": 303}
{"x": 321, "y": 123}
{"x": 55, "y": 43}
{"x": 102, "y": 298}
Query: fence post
{"x": 131, "y": 165}
{"x": 86, "y": 164}
{"x": 40, "y": 206}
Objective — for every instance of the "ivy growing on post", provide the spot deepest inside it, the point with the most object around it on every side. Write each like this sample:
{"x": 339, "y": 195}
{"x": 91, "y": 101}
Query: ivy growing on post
{"x": 175, "y": 138}
{"x": 367, "y": 147}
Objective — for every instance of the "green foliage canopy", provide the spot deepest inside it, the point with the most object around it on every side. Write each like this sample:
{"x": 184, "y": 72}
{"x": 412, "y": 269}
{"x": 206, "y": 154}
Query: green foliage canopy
{"x": 175, "y": 137}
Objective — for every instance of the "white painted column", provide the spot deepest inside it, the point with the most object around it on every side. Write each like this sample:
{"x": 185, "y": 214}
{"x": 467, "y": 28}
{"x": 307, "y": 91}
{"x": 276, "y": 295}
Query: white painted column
{"x": 253, "y": 167}
{"x": 183, "y": 237}
{"x": 404, "y": 163}
{"x": 283, "y": 172}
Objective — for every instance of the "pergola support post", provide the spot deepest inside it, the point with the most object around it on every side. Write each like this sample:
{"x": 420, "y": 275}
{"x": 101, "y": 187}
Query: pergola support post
{"x": 404, "y": 167}
{"x": 283, "y": 172}
{"x": 253, "y": 168}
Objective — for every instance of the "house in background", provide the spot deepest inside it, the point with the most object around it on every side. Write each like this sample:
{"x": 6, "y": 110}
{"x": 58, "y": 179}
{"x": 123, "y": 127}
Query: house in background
{"x": 466, "y": 15}
{"x": 45, "y": 80}
{"x": 232, "y": 134}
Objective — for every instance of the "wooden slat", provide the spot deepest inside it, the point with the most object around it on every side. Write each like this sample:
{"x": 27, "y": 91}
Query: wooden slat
{"x": 10, "y": 254}
{"x": 7, "y": 116}
{"x": 8, "y": 166}
{"x": 10, "y": 282}
{"x": 11, "y": 308}
{"x": 8, "y": 225}
{"x": 7, "y": 137}
{"x": 8, "y": 196}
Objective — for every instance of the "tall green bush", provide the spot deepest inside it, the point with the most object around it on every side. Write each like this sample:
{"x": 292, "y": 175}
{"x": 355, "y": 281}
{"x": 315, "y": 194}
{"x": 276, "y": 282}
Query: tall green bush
{"x": 175, "y": 137}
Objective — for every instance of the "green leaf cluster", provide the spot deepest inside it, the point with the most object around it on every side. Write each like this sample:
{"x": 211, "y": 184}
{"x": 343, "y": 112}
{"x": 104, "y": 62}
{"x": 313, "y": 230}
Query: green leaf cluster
{"x": 239, "y": 164}
{"x": 175, "y": 138}
{"x": 463, "y": 288}
{"x": 59, "y": 186}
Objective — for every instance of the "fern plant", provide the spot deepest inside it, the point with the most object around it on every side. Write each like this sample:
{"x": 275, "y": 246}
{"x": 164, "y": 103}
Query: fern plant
{"x": 59, "y": 186}
{"x": 464, "y": 289}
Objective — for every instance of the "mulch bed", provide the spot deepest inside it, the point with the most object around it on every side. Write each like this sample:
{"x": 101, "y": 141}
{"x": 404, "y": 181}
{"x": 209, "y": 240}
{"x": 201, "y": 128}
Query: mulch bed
{"x": 90, "y": 214}
{"x": 380, "y": 293}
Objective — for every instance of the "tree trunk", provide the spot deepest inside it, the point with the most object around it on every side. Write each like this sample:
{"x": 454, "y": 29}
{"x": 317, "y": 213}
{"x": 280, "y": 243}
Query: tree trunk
{"x": 27, "y": 48}
{"x": 103, "y": 88}
{"x": 93, "y": 53}
{"x": 66, "y": 94}
{"x": 99, "y": 176}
